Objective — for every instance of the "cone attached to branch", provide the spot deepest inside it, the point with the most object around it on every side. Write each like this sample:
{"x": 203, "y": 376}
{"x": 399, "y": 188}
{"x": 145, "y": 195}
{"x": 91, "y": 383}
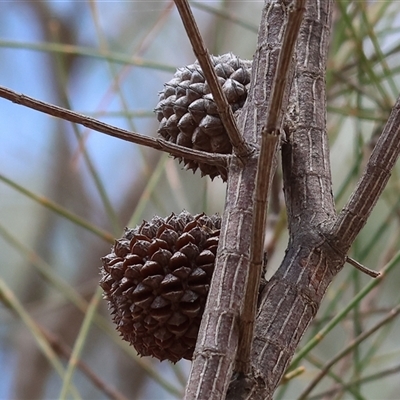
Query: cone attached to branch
{"x": 156, "y": 280}
{"x": 188, "y": 114}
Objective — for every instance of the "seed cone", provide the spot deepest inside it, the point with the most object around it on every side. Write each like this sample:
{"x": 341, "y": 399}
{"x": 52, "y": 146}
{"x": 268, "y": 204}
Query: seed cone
{"x": 156, "y": 280}
{"x": 188, "y": 114}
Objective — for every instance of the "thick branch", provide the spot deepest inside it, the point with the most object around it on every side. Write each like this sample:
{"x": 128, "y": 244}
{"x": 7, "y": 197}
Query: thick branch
{"x": 91, "y": 123}
{"x": 319, "y": 240}
{"x": 265, "y": 171}
{"x": 241, "y": 149}
{"x": 216, "y": 348}
{"x": 291, "y": 298}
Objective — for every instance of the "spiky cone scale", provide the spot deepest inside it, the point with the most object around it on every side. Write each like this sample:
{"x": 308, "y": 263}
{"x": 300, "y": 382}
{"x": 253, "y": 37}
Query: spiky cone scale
{"x": 188, "y": 115}
{"x": 156, "y": 281}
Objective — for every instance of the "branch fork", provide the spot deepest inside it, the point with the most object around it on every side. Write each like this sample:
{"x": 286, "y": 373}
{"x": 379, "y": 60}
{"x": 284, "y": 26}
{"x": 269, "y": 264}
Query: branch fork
{"x": 240, "y": 147}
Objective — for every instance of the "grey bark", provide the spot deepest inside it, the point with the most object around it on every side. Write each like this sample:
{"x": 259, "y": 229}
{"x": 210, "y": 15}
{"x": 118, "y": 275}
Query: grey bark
{"x": 215, "y": 354}
{"x": 319, "y": 239}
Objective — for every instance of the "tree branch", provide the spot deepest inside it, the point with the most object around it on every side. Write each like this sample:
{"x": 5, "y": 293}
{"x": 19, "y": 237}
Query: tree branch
{"x": 355, "y": 213}
{"x": 224, "y": 110}
{"x": 362, "y": 268}
{"x": 96, "y": 125}
{"x": 265, "y": 171}
{"x": 319, "y": 240}
{"x": 217, "y": 343}
{"x": 291, "y": 298}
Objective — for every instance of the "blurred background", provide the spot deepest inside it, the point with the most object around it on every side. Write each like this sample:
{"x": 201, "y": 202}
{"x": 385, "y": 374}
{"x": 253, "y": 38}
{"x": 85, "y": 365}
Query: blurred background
{"x": 65, "y": 191}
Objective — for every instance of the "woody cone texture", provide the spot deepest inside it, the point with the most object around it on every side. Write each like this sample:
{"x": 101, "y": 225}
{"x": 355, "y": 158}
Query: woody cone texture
{"x": 156, "y": 280}
{"x": 188, "y": 114}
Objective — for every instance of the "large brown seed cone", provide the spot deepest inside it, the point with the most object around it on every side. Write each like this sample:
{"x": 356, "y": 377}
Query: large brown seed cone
{"x": 188, "y": 114}
{"x": 156, "y": 280}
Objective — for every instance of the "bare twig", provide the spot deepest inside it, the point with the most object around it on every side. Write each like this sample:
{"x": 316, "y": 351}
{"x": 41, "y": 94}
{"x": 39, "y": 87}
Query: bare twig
{"x": 265, "y": 170}
{"x": 279, "y": 95}
{"x": 158, "y": 144}
{"x": 239, "y": 145}
{"x": 195, "y": 155}
{"x": 362, "y": 268}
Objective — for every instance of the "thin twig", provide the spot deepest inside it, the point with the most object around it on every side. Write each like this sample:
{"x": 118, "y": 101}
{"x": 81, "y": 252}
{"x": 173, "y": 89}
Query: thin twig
{"x": 265, "y": 170}
{"x": 96, "y": 125}
{"x": 195, "y": 155}
{"x": 224, "y": 110}
{"x": 362, "y": 268}
{"x": 393, "y": 313}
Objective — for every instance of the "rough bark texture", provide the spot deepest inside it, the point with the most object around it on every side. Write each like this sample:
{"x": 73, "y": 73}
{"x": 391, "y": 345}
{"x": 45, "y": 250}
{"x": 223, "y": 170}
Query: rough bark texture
{"x": 215, "y": 353}
{"x": 319, "y": 239}
{"x": 291, "y": 298}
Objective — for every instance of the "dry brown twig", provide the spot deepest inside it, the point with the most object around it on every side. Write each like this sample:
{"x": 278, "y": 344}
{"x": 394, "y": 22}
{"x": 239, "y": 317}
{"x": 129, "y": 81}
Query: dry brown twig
{"x": 96, "y": 125}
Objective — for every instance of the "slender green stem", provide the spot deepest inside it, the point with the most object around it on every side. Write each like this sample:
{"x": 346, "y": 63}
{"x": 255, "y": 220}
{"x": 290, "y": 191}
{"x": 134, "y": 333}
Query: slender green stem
{"x": 44, "y": 201}
{"x": 119, "y": 58}
{"x": 354, "y": 344}
{"x": 63, "y": 84}
{"x": 75, "y": 298}
{"x": 79, "y": 344}
{"x": 226, "y": 15}
{"x": 11, "y": 301}
{"x": 148, "y": 191}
